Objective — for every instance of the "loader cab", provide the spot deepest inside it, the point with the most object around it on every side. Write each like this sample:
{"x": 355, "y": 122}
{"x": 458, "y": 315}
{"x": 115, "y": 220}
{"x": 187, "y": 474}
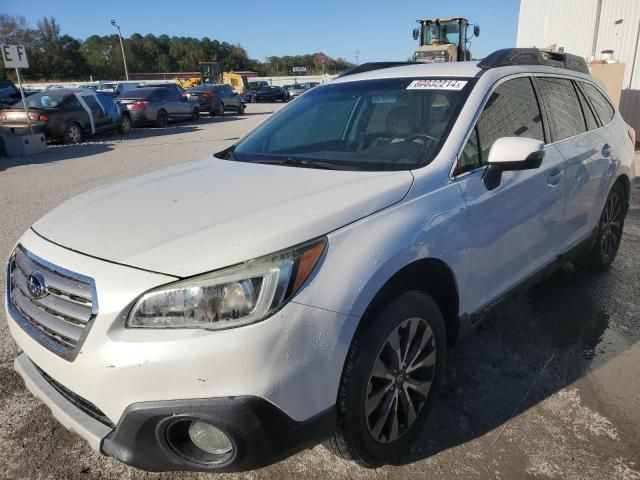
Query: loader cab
{"x": 443, "y": 40}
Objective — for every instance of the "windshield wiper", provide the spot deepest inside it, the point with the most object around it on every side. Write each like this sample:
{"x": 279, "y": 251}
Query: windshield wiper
{"x": 301, "y": 162}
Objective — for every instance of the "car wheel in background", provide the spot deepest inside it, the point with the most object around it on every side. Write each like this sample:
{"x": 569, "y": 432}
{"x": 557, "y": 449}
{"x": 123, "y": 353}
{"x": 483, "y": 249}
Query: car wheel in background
{"x": 125, "y": 125}
{"x": 220, "y": 110}
{"x": 390, "y": 378}
{"x": 162, "y": 120}
{"x": 605, "y": 247}
{"x": 73, "y": 134}
{"x": 241, "y": 109}
{"x": 195, "y": 115}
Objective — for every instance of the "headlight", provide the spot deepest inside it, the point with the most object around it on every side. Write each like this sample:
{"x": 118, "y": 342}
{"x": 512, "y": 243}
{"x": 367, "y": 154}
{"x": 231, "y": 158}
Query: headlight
{"x": 229, "y": 298}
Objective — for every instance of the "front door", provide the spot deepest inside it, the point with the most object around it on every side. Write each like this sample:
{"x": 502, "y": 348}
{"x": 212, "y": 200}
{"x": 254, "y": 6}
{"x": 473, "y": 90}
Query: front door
{"x": 514, "y": 229}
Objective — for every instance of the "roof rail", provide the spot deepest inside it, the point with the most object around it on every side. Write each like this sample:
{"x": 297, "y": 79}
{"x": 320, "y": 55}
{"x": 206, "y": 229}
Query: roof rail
{"x": 533, "y": 56}
{"x": 368, "y": 67}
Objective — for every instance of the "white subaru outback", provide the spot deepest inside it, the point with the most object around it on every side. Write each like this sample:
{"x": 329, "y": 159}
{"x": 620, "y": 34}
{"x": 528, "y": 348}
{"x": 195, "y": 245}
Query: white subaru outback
{"x": 305, "y": 283}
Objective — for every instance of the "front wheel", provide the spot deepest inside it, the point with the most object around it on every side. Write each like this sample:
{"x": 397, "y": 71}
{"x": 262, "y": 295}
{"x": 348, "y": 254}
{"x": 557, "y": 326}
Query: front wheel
{"x": 609, "y": 234}
{"x": 390, "y": 378}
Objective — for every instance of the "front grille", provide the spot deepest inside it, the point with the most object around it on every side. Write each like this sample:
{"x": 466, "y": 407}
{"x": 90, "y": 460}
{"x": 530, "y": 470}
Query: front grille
{"x": 58, "y": 316}
{"x": 79, "y": 402}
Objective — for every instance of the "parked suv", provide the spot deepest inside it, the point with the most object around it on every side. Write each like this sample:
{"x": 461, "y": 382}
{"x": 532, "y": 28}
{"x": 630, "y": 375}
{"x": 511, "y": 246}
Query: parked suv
{"x": 305, "y": 283}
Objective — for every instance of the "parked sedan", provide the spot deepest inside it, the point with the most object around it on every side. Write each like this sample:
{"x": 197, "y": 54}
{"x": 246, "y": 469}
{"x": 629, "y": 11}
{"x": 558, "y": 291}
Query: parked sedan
{"x": 9, "y": 93}
{"x": 157, "y": 105}
{"x": 67, "y": 114}
{"x": 269, "y": 94}
{"x": 296, "y": 89}
{"x": 215, "y": 99}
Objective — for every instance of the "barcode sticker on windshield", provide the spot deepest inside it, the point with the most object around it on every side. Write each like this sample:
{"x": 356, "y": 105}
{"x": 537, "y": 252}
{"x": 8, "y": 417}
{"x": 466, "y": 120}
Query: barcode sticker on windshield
{"x": 437, "y": 85}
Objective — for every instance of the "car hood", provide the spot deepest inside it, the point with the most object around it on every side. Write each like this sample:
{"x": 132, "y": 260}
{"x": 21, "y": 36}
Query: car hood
{"x": 211, "y": 213}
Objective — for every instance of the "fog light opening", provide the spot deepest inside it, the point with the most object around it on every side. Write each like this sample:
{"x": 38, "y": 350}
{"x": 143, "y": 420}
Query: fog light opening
{"x": 200, "y": 442}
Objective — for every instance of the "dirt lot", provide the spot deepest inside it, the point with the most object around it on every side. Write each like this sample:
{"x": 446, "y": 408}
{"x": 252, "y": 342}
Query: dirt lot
{"x": 549, "y": 387}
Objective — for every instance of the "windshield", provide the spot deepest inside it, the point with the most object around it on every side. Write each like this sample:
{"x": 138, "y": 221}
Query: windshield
{"x": 42, "y": 100}
{"x": 390, "y": 124}
{"x": 444, "y": 32}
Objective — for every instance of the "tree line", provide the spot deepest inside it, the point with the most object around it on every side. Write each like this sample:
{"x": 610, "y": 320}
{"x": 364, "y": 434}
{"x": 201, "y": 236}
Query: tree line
{"x": 56, "y": 56}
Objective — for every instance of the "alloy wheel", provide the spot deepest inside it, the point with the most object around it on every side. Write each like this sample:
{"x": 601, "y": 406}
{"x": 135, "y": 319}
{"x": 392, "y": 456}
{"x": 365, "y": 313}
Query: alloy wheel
{"x": 611, "y": 225}
{"x": 400, "y": 380}
{"x": 74, "y": 134}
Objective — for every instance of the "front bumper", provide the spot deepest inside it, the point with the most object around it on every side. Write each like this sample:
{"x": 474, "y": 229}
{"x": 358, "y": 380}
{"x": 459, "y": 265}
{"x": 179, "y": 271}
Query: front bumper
{"x": 261, "y": 433}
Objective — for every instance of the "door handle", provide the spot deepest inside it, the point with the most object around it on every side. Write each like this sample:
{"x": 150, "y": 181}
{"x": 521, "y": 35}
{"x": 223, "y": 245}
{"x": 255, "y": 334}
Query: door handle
{"x": 554, "y": 177}
{"x": 606, "y": 150}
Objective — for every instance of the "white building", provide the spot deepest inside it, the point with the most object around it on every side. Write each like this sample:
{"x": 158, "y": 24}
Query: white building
{"x": 586, "y": 27}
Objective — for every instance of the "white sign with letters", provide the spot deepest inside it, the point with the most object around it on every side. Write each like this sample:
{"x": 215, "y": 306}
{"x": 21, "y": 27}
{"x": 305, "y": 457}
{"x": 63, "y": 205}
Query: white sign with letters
{"x": 437, "y": 84}
{"x": 14, "y": 56}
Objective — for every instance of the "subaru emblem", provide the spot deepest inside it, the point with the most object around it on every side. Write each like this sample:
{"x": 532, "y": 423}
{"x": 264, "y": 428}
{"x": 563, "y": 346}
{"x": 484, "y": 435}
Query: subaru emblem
{"x": 37, "y": 286}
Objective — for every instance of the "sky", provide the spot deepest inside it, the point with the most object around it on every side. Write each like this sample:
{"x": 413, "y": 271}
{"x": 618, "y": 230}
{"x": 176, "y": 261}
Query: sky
{"x": 377, "y": 29}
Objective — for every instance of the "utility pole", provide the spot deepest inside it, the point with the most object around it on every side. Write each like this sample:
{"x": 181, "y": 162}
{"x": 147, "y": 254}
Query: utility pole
{"x": 124, "y": 59}
{"x": 357, "y": 57}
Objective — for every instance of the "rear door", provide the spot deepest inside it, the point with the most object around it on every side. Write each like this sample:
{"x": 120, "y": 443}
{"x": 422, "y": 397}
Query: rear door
{"x": 100, "y": 119}
{"x": 583, "y": 146}
{"x": 514, "y": 229}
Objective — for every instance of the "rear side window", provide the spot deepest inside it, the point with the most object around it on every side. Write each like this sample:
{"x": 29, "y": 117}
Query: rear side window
{"x": 72, "y": 103}
{"x": 563, "y": 106}
{"x": 512, "y": 111}
{"x": 91, "y": 101}
{"x": 589, "y": 116}
{"x": 603, "y": 108}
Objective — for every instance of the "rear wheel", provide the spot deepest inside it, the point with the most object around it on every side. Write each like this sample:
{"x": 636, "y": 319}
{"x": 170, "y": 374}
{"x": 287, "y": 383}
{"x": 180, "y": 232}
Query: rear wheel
{"x": 220, "y": 110}
{"x": 73, "y": 134}
{"x": 241, "y": 109}
{"x": 162, "y": 120}
{"x": 609, "y": 235}
{"x": 125, "y": 125}
{"x": 195, "y": 115}
{"x": 391, "y": 376}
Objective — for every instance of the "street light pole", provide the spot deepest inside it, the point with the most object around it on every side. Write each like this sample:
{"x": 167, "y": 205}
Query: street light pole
{"x": 124, "y": 58}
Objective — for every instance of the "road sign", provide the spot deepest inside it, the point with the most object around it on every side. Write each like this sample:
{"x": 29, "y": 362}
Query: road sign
{"x": 14, "y": 56}
{"x": 299, "y": 69}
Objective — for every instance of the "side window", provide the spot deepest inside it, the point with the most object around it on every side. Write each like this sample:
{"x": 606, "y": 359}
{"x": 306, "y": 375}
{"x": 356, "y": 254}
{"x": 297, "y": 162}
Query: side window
{"x": 603, "y": 108}
{"x": 72, "y": 103}
{"x": 563, "y": 105}
{"x": 512, "y": 111}
{"x": 91, "y": 101}
{"x": 589, "y": 116}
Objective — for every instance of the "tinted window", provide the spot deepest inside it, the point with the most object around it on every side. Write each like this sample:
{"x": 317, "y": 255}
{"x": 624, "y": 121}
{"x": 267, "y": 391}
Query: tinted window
{"x": 589, "y": 116}
{"x": 91, "y": 102}
{"x": 563, "y": 106}
{"x": 139, "y": 93}
{"x": 370, "y": 125}
{"x": 163, "y": 94}
{"x": 72, "y": 103}
{"x": 603, "y": 108}
{"x": 512, "y": 111}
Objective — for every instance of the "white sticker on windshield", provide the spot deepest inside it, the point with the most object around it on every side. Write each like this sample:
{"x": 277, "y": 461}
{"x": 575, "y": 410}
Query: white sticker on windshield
{"x": 433, "y": 84}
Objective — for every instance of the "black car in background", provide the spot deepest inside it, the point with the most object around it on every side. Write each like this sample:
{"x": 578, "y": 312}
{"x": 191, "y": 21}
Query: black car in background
{"x": 9, "y": 93}
{"x": 157, "y": 105}
{"x": 61, "y": 115}
{"x": 268, "y": 94}
{"x": 216, "y": 98}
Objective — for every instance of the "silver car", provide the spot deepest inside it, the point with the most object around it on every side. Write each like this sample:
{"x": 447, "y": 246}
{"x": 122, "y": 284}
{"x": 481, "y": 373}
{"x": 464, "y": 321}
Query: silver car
{"x": 158, "y": 106}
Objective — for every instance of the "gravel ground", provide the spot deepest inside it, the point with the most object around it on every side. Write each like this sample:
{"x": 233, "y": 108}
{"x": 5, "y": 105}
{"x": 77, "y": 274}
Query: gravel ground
{"x": 548, "y": 387}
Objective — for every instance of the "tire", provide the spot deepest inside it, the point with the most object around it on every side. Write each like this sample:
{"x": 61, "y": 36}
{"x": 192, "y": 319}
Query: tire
{"x": 73, "y": 134}
{"x": 369, "y": 384}
{"x": 220, "y": 110}
{"x": 609, "y": 233}
{"x": 125, "y": 125}
{"x": 195, "y": 115}
{"x": 162, "y": 120}
{"x": 241, "y": 109}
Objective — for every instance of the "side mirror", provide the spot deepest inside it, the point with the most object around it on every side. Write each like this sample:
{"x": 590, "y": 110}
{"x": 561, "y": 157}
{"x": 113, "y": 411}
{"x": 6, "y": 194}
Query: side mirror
{"x": 476, "y": 30}
{"x": 416, "y": 33}
{"x": 511, "y": 154}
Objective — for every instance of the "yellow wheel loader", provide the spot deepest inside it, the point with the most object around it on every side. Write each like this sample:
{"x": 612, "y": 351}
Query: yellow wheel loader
{"x": 443, "y": 40}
